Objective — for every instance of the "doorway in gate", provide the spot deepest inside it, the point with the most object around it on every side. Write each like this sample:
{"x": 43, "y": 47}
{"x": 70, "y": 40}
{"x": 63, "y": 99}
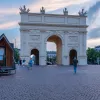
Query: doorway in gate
{"x": 73, "y": 53}
{"x": 35, "y": 52}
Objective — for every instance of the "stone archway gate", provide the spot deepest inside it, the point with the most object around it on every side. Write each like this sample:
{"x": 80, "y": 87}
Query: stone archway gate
{"x": 36, "y": 28}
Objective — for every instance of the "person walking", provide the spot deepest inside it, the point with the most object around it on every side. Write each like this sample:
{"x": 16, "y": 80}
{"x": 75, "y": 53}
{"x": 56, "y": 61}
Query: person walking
{"x": 20, "y": 62}
{"x": 75, "y": 61}
{"x": 30, "y": 63}
{"x": 23, "y": 63}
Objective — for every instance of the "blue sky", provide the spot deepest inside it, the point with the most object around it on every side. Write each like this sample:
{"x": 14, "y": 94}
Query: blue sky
{"x": 9, "y": 16}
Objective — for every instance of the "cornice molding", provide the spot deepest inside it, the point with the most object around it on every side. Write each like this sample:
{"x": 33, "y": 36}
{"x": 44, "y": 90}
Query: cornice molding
{"x": 39, "y": 14}
{"x": 24, "y": 30}
{"x": 57, "y": 25}
{"x": 53, "y": 31}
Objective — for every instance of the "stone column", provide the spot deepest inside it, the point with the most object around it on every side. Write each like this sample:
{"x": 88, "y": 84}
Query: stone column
{"x": 59, "y": 52}
{"x": 85, "y": 43}
{"x": 81, "y": 44}
{"x": 64, "y": 56}
{"x": 82, "y": 54}
{"x": 65, "y": 51}
{"x": 85, "y": 46}
{"x": 43, "y": 51}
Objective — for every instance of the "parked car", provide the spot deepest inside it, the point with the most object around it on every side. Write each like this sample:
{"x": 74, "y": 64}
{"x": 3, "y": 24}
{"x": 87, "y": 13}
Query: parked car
{"x": 49, "y": 63}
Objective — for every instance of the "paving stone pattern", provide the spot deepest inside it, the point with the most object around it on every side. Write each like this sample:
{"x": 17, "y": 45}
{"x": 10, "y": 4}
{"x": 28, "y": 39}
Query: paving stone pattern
{"x": 52, "y": 83}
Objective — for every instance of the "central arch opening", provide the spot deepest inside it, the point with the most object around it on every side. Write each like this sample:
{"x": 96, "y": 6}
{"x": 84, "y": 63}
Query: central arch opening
{"x": 55, "y": 49}
{"x": 35, "y": 52}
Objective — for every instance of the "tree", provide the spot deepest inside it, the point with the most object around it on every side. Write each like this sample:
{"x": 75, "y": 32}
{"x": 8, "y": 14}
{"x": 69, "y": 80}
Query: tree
{"x": 92, "y": 55}
{"x": 16, "y": 54}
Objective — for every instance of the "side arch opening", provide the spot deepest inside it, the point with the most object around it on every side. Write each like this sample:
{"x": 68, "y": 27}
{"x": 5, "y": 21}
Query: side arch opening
{"x": 73, "y": 53}
{"x": 35, "y": 54}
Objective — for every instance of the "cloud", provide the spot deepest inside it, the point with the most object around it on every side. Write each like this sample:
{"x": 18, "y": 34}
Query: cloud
{"x": 95, "y": 24}
{"x": 73, "y": 9}
{"x": 94, "y": 33}
{"x": 9, "y": 22}
{"x": 11, "y": 7}
{"x": 92, "y": 12}
{"x": 7, "y": 11}
{"x": 8, "y": 25}
{"x": 93, "y": 42}
{"x": 94, "y": 16}
{"x": 51, "y": 46}
{"x": 51, "y": 5}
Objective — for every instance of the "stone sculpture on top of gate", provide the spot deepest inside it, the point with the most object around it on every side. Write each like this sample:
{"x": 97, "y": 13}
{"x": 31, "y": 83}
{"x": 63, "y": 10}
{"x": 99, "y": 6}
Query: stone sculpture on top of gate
{"x": 65, "y": 11}
{"x": 24, "y": 9}
{"x": 82, "y": 13}
{"x": 42, "y": 10}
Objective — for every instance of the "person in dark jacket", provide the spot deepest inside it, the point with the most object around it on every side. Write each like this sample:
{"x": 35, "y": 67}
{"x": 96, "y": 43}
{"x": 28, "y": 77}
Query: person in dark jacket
{"x": 20, "y": 62}
{"x": 75, "y": 61}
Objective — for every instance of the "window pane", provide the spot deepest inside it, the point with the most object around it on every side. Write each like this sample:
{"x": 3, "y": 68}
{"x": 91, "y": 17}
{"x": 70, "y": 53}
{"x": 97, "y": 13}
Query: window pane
{"x": 1, "y": 51}
{"x": 1, "y": 57}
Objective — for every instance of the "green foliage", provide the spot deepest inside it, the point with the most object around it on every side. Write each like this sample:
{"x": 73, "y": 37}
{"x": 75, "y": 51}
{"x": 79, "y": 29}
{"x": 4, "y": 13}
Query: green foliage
{"x": 92, "y": 55}
{"x": 16, "y": 54}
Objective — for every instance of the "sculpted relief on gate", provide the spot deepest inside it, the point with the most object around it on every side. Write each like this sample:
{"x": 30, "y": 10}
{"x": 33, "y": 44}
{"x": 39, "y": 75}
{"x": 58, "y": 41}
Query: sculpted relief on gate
{"x": 32, "y": 45}
{"x": 34, "y": 37}
{"x": 73, "y": 39}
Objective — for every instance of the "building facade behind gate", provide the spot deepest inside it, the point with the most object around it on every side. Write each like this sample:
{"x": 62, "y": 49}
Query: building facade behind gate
{"x": 69, "y": 32}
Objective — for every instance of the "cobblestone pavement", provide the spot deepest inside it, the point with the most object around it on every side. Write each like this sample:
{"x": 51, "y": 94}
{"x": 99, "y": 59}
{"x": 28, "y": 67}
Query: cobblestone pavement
{"x": 52, "y": 83}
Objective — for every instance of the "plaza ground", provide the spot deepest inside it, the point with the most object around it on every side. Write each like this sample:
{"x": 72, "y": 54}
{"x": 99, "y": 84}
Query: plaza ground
{"x": 52, "y": 83}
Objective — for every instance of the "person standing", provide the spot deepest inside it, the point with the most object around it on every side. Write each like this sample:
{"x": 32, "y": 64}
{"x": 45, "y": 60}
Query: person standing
{"x": 75, "y": 61}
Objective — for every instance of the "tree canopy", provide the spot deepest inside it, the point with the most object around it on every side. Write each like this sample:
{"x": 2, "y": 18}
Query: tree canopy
{"x": 92, "y": 55}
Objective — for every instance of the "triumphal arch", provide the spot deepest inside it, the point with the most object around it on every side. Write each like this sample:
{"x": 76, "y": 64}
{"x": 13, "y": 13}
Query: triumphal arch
{"x": 68, "y": 32}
